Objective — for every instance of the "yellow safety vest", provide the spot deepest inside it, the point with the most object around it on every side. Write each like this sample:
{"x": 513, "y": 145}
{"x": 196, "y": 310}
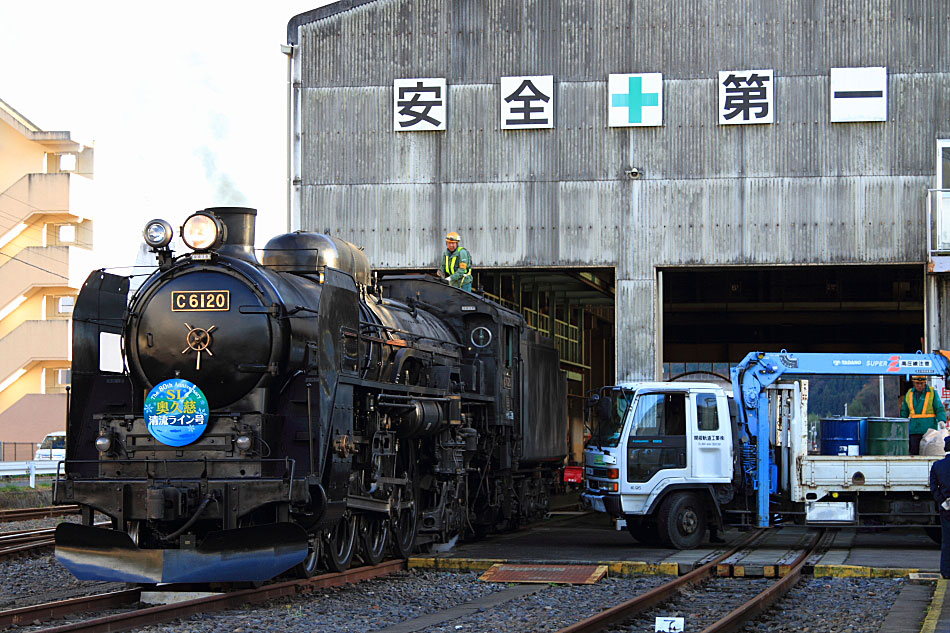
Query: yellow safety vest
{"x": 450, "y": 263}
{"x": 928, "y": 411}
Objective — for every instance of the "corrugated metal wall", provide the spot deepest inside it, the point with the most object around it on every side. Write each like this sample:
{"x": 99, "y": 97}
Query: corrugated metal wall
{"x": 802, "y": 190}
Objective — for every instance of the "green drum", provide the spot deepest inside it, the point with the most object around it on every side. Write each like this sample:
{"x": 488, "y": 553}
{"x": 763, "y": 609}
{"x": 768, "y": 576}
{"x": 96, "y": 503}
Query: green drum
{"x": 888, "y": 436}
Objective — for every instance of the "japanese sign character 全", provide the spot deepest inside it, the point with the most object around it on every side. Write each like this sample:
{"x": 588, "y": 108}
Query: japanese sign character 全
{"x": 419, "y": 105}
{"x": 746, "y": 97}
{"x": 527, "y": 102}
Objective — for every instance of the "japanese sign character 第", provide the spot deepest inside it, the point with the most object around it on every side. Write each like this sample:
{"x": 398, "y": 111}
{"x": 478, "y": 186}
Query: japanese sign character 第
{"x": 527, "y": 102}
{"x": 419, "y": 105}
{"x": 746, "y": 97}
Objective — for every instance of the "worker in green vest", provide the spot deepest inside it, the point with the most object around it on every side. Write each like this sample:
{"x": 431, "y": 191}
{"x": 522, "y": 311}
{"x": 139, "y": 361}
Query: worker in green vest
{"x": 456, "y": 264}
{"x": 924, "y": 408}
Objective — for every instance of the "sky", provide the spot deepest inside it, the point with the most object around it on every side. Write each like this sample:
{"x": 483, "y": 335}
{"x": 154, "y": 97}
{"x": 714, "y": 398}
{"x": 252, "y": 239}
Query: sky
{"x": 185, "y": 103}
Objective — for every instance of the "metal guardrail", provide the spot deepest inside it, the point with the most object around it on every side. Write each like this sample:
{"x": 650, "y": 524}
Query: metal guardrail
{"x": 32, "y": 468}
{"x": 42, "y": 467}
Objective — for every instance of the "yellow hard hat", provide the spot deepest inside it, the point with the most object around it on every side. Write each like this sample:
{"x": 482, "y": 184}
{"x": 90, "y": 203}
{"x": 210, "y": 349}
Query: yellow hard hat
{"x": 452, "y": 237}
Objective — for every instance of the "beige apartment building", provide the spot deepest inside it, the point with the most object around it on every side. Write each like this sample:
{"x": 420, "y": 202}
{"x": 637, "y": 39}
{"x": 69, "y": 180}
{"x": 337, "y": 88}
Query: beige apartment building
{"x": 45, "y": 248}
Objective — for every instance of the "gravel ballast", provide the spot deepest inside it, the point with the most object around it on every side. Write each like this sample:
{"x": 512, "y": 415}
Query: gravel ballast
{"x": 827, "y": 605}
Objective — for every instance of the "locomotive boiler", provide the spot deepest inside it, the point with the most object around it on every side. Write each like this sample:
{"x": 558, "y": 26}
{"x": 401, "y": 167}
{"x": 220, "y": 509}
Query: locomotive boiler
{"x": 293, "y": 414}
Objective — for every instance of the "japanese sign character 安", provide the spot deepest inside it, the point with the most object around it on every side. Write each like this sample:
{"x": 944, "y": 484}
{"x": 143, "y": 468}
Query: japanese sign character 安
{"x": 419, "y": 105}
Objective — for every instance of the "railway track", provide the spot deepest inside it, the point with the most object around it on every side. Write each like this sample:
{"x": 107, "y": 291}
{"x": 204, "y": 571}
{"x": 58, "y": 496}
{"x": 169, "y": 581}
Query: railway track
{"x": 785, "y": 573}
{"x": 163, "y": 613}
{"x": 27, "y": 514}
{"x": 18, "y": 542}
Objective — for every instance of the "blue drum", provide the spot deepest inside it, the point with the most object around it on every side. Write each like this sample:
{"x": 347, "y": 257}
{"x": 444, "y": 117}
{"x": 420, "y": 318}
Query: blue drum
{"x": 842, "y": 435}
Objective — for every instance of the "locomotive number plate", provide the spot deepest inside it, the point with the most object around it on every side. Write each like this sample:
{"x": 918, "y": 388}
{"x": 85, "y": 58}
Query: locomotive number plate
{"x": 201, "y": 300}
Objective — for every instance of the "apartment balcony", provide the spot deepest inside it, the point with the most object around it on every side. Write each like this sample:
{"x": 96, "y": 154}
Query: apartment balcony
{"x": 43, "y": 266}
{"x": 34, "y": 341}
{"x": 35, "y": 194}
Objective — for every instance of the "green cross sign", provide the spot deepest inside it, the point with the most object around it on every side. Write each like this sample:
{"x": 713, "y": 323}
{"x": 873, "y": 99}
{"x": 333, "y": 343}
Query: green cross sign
{"x": 635, "y": 99}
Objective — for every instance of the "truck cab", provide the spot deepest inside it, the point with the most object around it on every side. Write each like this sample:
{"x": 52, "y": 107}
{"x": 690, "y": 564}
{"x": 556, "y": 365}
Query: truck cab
{"x": 661, "y": 457}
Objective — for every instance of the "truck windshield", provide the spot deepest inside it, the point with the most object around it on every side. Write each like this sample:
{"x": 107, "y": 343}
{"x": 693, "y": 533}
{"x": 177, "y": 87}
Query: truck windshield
{"x": 607, "y": 418}
{"x": 54, "y": 441}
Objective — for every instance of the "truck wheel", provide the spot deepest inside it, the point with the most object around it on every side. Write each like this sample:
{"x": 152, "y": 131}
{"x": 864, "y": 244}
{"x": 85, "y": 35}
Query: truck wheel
{"x": 643, "y": 532}
{"x": 682, "y": 520}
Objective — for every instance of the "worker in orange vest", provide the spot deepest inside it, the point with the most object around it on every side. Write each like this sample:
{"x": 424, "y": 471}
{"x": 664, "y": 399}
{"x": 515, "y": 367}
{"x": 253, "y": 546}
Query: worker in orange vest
{"x": 923, "y": 406}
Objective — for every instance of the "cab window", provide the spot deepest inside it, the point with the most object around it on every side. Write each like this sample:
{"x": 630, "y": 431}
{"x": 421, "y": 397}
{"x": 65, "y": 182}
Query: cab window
{"x": 660, "y": 414}
{"x": 657, "y": 439}
{"x": 707, "y": 415}
{"x": 54, "y": 441}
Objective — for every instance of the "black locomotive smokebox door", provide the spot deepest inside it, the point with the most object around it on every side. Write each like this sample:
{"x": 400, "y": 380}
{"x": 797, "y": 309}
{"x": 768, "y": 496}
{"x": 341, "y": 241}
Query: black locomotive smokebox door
{"x": 198, "y": 330}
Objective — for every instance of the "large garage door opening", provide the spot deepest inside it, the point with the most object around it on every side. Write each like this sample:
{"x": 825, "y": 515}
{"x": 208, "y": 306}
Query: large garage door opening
{"x": 714, "y": 317}
{"x": 574, "y": 307}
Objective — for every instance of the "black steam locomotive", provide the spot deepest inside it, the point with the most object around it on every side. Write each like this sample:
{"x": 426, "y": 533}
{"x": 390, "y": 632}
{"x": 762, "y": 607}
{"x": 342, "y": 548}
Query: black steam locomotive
{"x": 290, "y": 414}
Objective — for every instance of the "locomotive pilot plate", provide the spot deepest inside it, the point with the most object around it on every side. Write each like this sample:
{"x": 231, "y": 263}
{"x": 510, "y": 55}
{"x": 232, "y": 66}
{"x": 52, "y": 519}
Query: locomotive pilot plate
{"x": 176, "y": 412}
{"x": 201, "y": 300}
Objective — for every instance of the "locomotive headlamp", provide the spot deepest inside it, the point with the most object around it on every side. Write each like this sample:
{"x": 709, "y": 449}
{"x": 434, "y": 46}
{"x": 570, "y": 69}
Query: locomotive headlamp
{"x": 202, "y": 232}
{"x": 103, "y": 443}
{"x": 243, "y": 442}
{"x": 157, "y": 233}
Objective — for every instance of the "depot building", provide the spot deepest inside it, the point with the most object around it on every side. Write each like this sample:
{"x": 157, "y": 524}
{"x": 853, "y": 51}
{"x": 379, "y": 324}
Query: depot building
{"x": 661, "y": 187}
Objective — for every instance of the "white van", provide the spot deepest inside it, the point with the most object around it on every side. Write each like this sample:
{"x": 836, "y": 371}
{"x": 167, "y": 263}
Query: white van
{"x": 53, "y": 447}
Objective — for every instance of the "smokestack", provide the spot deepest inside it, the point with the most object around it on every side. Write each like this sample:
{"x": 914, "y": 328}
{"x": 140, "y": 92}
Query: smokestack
{"x": 240, "y": 223}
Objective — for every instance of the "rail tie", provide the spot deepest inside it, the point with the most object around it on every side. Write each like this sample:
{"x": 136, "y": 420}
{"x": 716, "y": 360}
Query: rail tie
{"x": 736, "y": 618}
{"x": 625, "y": 610}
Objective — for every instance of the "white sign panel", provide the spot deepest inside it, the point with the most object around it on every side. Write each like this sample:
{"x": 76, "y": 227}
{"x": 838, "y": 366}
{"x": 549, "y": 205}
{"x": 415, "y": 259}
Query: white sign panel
{"x": 858, "y": 94}
{"x": 527, "y": 102}
{"x": 419, "y": 105}
{"x": 746, "y": 97}
{"x": 635, "y": 100}
{"x": 670, "y": 625}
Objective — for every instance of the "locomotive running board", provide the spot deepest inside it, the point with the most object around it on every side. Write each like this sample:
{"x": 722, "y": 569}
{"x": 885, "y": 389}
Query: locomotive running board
{"x": 247, "y": 554}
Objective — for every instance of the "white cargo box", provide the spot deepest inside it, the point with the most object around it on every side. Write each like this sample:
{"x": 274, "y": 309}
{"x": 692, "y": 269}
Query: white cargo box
{"x": 820, "y": 475}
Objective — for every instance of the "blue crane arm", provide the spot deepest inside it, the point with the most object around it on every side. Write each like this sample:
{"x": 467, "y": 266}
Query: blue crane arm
{"x": 758, "y": 370}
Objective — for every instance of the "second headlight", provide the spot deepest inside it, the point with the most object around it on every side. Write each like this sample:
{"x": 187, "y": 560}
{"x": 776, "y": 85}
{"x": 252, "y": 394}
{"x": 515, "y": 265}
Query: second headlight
{"x": 202, "y": 231}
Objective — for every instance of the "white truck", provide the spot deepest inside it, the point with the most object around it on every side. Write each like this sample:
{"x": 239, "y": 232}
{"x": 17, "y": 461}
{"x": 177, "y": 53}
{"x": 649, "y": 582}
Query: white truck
{"x": 674, "y": 458}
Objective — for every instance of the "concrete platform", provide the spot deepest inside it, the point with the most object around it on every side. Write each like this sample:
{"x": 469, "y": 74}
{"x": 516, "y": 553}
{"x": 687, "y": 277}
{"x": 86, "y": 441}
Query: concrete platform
{"x": 591, "y": 537}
